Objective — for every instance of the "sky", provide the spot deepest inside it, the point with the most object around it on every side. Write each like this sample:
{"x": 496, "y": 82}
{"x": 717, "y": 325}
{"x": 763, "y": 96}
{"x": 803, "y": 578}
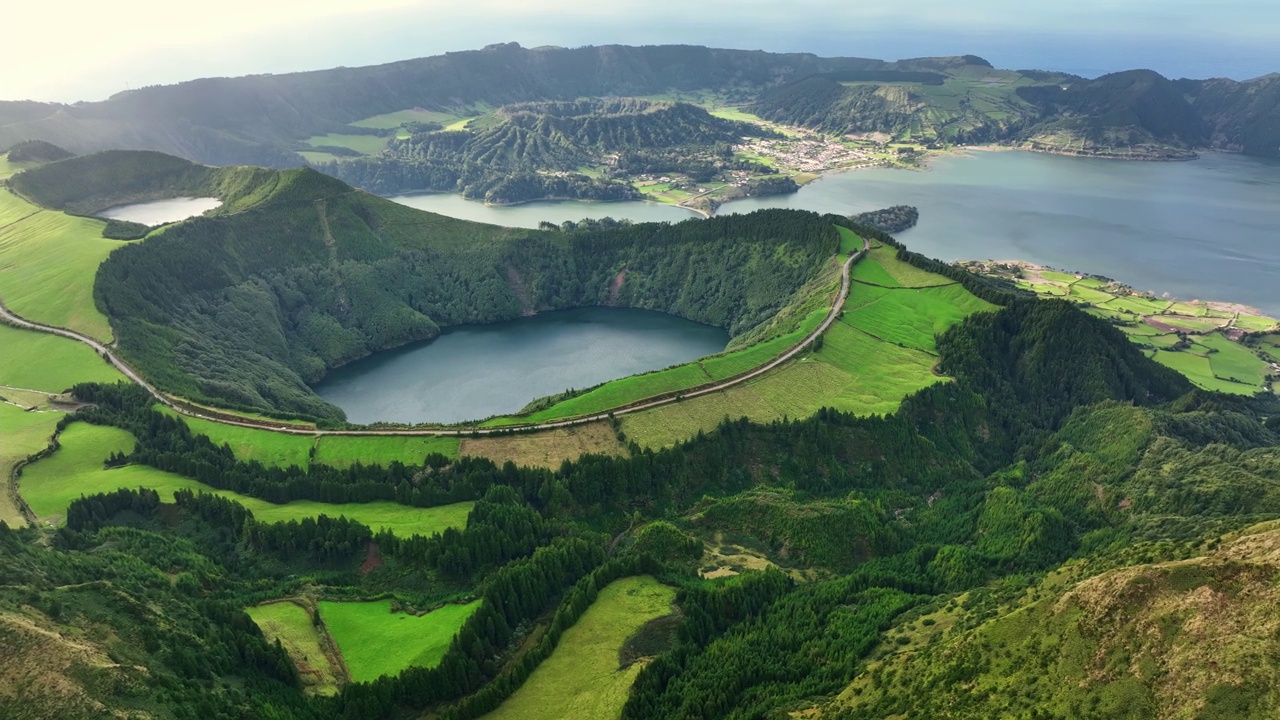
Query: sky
{"x": 100, "y": 48}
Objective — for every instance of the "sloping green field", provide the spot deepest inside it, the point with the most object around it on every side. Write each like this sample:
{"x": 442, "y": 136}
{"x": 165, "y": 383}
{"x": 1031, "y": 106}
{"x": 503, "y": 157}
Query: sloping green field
{"x": 880, "y": 351}
{"x": 582, "y": 678}
{"x": 48, "y": 363}
{"x": 375, "y": 641}
{"x": 48, "y": 261}
{"x": 76, "y": 469}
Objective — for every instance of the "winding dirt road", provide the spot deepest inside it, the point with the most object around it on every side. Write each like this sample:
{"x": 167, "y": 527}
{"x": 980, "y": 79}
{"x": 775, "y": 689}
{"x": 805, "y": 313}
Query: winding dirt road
{"x": 182, "y": 408}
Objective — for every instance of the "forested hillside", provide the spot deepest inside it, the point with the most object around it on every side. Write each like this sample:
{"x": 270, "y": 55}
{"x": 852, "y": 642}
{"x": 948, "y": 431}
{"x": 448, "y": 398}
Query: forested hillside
{"x": 246, "y": 308}
{"x": 1058, "y": 439}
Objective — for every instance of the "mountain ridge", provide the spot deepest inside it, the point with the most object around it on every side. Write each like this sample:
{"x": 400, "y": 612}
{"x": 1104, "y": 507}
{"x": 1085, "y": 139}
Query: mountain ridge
{"x": 257, "y": 119}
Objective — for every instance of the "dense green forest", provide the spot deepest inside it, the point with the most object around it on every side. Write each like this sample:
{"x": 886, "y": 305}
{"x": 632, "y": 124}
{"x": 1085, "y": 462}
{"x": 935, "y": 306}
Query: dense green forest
{"x": 301, "y": 274}
{"x": 259, "y": 119}
{"x": 1057, "y": 439}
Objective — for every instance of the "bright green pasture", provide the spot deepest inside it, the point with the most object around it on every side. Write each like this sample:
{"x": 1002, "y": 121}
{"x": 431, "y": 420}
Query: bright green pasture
{"x": 364, "y": 144}
{"x": 1061, "y": 277}
{"x": 76, "y": 469}
{"x": 1233, "y": 361}
{"x": 1270, "y": 346}
{"x": 1199, "y": 371}
{"x": 850, "y": 242}
{"x": 871, "y": 272}
{"x": 623, "y": 392}
{"x": 1195, "y": 309}
{"x": 721, "y": 367}
{"x": 291, "y": 625}
{"x": 853, "y": 372}
{"x": 282, "y": 450}
{"x": 1255, "y": 323}
{"x": 268, "y": 448}
{"x": 905, "y": 274}
{"x": 1081, "y": 293}
{"x": 879, "y": 353}
{"x": 48, "y": 261}
{"x": 49, "y": 363}
{"x": 22, "y": 434}
{"x": 1160, "y": 341}
{"x": 1138, "y": 305}
{"x": 913, "y": 317}
{"x": 375, "y": 641}
{"x": 582, "y": 679}
{"x": 347, "y": 450}
{"x": 1138, "y": 329}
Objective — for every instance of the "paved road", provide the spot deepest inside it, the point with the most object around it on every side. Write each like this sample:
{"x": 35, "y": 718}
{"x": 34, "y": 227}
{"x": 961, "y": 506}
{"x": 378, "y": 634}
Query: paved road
{"x": 189, "y": 411}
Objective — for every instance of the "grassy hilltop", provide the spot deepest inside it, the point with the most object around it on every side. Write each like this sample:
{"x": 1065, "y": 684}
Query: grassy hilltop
{"x": 297, "y": 273}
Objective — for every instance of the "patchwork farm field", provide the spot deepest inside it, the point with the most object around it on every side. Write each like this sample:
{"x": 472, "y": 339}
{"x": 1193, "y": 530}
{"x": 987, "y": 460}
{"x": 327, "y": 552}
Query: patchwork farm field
{"x": 375, "y": 641}
{"x": 283, "y": 450}
{"x": 880, "y": 351}
{"x": 291, "y": 625}
{"x": 1190, "y": 337}
{"x": 582, "y": 679}
{"x": 48, "y": 261}
{"x": 76, "y": 469}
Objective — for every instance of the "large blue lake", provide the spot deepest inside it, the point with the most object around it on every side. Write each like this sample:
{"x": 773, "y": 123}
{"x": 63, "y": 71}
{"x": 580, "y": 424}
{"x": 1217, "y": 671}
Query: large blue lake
{"x": 1208, "y": 229}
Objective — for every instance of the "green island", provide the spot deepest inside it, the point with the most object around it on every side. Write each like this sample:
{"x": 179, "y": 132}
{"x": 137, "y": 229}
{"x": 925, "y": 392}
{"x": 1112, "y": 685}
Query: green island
{"x": 982, "y": 490}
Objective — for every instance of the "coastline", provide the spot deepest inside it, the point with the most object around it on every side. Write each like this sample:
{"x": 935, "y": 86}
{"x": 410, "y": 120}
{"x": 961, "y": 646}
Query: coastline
{"x": 1226, "y": 306}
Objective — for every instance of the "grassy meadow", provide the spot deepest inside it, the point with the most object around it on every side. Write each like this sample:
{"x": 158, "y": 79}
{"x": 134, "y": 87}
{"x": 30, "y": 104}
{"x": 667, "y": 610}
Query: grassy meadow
{"x": 48, "y": 363}
{"x": 268, "y": 448}
{"x": 346, "y": 450}
{"x": 283, "y": 450}
{"x": 375, "y": 641}
{"x": 291, "y": 625}
{"x": 582, "y": 678}
{"x": 48, "y": 261}
{"x": 51, "y": 484}
{"x": 880, "y": 351}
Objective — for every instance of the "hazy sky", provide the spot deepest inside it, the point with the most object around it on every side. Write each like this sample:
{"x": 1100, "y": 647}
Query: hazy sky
{"x": 99, "y": 48}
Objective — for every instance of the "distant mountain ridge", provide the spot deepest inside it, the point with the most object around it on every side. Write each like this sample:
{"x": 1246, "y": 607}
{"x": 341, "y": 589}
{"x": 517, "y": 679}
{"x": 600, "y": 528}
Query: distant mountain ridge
{"x": 260, "y": 119}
